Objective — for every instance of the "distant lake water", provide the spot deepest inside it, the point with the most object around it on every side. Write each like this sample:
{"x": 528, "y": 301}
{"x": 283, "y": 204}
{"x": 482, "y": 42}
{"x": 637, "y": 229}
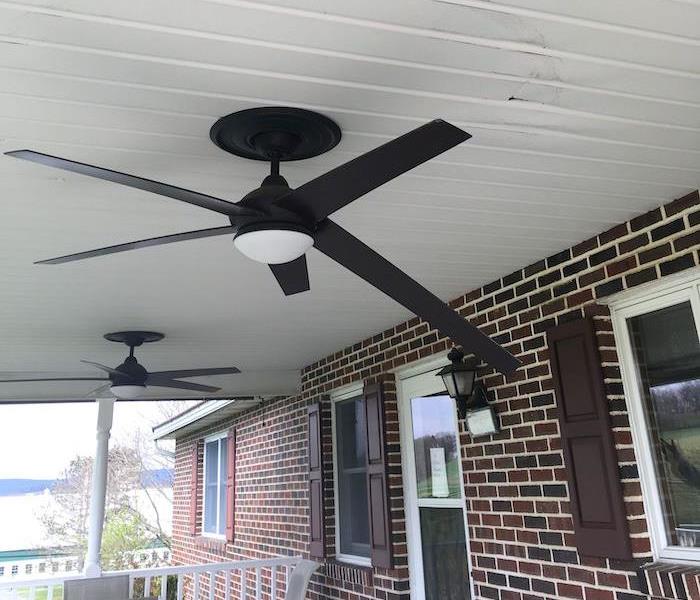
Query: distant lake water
{"x": 21, "y": 529}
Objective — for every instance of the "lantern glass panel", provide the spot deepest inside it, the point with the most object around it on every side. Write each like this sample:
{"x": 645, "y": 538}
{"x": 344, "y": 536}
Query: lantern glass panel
{"x": 448, "y": 379}
{"x": 464, "y": 382}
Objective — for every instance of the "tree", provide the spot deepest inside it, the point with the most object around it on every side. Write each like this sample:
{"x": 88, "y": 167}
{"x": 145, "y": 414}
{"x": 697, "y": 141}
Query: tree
{"x": 137, "y": 503}
{"x": 125, "y": 531}
{"x": 155, "y": 458}
{"x": 126, "y": 528}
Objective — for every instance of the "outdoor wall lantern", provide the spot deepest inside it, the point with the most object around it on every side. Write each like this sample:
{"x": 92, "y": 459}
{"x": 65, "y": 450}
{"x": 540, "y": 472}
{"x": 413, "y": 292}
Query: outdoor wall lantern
{"x": 472, "y": 403}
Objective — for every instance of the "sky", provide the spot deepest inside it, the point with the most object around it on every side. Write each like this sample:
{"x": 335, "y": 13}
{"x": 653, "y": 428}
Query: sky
{"x": 432, "y": 415}
{"x": 38, "y": 441}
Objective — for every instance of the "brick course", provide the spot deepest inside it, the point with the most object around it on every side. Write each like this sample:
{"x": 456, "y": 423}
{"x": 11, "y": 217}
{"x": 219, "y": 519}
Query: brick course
{"x": 520, "y": 528}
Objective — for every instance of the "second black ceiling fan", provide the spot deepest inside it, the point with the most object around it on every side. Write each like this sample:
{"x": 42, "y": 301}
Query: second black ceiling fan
{"x": 276, "y": 224}
{"x": 129, "y": 380}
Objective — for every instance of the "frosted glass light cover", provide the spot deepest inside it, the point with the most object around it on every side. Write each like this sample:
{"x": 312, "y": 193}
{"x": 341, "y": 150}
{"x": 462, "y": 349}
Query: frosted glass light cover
{"x": 273, "y": 246}
{"x": 128, "y": 391}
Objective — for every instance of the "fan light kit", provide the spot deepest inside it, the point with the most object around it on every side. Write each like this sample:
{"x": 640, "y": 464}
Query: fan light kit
{"x": 129, "y": 380}
{"x": 273, "y": 244}
{"x": 128, "y": 392}
{"x": 277, "y": 225}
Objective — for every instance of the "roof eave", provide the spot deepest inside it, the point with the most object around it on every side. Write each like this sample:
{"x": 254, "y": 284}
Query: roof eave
{"x": 191, "y": 419}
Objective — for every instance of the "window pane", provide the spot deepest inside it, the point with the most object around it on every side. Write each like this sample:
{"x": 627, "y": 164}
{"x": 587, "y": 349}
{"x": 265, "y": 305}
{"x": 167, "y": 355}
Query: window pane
{"x": 445, "y": 567}
{"x": 223, "y": 475}
{"x": 351, "y": 441}
{"x": 352, "y": 434}
{"x": 667, "y": 353}
{"x": 210, "y": 485}
{"x": 435, "y": 444}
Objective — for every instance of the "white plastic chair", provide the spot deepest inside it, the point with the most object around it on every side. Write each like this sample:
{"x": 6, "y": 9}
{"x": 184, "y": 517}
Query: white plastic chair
{"x": 299, "y": 579}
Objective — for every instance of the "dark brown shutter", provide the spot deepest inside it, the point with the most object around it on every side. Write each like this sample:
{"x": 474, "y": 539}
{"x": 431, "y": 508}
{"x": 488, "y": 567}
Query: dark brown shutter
{"x": 194, "y": 484}
{"x": 377, "y": 484}
{"x": 597, "y": 503}
{"x": 317, "y": 537}
{"x": 231, "y": 486}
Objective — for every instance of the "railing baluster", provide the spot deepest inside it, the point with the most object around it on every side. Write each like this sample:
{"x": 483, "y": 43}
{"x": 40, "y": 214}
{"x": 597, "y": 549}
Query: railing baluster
{"x": 273, "y": 582}
{"x": 258, "y": 584}
{"x": 49, "y": 592}
{"x": 147, "y": 586}
{"x": 212, "y": 584}
{"x": 131, "y": 586}
{"x": 163, "y": 586}
{"x": 244, "y": 580}
{"x": 227, "y": 585}
{"x": 180, "y": 581}
{"x": 195, "y": 593}
{"x": 32, "y": 593}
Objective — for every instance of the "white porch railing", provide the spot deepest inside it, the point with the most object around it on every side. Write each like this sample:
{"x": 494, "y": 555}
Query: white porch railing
{"x": 241, "y": 580}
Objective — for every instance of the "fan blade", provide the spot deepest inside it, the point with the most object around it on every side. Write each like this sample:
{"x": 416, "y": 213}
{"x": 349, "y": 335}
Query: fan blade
{"x": 24, "y": 380}
{"x": 98, "y": 390}
{"x": 191, "y": 373}
{"x": 102, "y": 367}
{"x": 195, "y": 398}
{"x": 156, "y": 241}
{"x": 331, "y": 191}
{"x": 183, "y": 385}
{"x": 293, "y": 276}
{"x": 338, "y": 244}
{"x": 223, "y": 207}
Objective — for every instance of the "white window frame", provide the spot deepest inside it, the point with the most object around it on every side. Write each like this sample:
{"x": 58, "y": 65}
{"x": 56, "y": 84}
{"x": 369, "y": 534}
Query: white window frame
{"x": 416, "y": 381}
{"x": 344, "y": 393}
{"x": 632, "y": 303}
{"x": 217, "y": 437}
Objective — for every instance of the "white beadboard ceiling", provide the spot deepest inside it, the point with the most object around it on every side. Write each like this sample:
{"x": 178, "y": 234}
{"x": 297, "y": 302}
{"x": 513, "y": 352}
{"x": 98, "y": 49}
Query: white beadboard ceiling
{"x": 583, "y": 114}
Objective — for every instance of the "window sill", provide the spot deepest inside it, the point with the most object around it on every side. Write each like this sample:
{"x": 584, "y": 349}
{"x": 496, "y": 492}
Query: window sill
{"x": 675, "y": 581}
{"x": 355, "y": 561}
{"x": 213, "y": 536}
{"x": 211, "y": 542}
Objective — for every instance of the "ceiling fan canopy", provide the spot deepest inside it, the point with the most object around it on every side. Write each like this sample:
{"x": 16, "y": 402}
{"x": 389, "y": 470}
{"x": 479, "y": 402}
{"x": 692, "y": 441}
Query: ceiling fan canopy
{"x": 129, "y": 380}
{"x": 277, "y": 225}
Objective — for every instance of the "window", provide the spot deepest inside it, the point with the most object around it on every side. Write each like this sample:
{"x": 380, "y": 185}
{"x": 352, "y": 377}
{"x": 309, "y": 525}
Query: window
{"x": 351, "y": 505}
{"x": 659, "y": 337}
{"x": 215, "y": 473}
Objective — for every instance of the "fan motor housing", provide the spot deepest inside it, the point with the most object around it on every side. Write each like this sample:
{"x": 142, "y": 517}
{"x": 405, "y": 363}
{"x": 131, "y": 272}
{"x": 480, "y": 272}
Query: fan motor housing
{"x": 130, "y": 373}
{"x": 263, "y": 199}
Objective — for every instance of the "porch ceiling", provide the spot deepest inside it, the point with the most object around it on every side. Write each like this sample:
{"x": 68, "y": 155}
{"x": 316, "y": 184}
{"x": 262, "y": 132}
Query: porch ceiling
{"x": 583, "y": 114}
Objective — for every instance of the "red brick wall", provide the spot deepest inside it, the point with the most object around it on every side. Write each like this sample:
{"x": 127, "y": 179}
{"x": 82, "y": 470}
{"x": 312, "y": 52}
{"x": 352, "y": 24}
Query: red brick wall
{"x": 520, "y": 525}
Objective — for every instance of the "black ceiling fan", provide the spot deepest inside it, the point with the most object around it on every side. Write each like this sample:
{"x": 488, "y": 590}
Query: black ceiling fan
{"x": 276, "y": 224}
{"x": 129, "y": 380}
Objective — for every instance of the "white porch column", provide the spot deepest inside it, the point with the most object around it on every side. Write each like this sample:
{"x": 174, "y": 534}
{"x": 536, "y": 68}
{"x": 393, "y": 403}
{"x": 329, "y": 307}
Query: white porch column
{"x": 105, "y": 411}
